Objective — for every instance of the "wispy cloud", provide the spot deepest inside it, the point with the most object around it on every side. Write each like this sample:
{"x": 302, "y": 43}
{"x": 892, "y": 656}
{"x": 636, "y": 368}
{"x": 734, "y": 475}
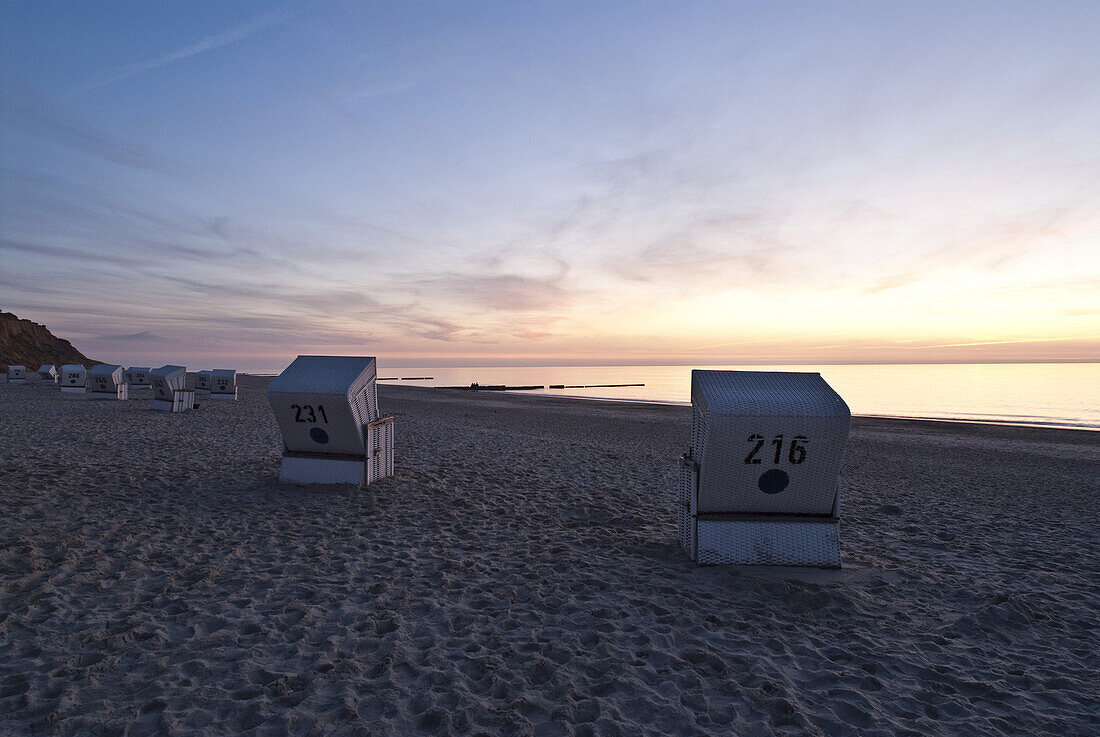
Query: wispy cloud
{"x": 143, "y": 337}
{"x": 508, "y": 292}
{"x": 987, "y": 342}
{"x": 215, "y": 41}
{"x": 893, "y": 281}
{"x": 58, "y": 252}
{"x": 26, "y": 109}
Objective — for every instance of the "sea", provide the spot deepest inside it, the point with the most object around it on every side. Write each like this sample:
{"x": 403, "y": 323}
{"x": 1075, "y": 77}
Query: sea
{"x": 1063, "y": 395}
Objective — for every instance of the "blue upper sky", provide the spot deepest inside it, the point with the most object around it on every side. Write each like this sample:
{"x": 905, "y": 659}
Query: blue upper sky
{"x": 478, "y": 182}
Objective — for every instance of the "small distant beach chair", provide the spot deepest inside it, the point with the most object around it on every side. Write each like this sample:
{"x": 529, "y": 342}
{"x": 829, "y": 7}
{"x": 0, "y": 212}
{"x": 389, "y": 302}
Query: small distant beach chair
{"x": 327, "y": 410}
{"x": 223, "y": 384}
{"x": 759, "y": 485}
{"x": 74, "y": 378}
{"x": 47, "y": 373}
{"x": 138, "y": 377}
{"x": 202, "y": 385}
{"x": 170, "y": 392}
{"x": 17, "y": 374}
{"x": 107, "y": 381}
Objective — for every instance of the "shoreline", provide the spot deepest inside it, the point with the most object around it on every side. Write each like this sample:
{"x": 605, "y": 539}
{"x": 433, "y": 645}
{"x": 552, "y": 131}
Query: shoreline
{"x": 1063, "y": 400}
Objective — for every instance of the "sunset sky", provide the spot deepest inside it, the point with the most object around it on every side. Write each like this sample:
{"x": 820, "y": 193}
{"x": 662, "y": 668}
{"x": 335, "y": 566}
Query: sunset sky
{"x": 547, "y": 183}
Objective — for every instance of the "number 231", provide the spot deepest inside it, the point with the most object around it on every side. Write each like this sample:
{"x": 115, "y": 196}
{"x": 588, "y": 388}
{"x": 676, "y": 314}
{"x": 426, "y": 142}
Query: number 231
{"x": 312, "y": 416}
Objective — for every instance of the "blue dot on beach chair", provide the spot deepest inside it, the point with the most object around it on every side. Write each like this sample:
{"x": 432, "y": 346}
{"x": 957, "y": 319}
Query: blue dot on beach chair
{"x": 773, "y": 481}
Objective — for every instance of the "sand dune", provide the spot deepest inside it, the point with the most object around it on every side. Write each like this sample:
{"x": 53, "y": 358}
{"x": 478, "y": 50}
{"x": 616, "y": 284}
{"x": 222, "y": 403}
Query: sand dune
{"x": 520, "y": 576}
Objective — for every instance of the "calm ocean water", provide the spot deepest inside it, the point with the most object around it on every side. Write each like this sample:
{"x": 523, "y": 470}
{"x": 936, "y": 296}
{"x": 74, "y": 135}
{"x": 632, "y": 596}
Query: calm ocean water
{"x": 1058, "y": 394}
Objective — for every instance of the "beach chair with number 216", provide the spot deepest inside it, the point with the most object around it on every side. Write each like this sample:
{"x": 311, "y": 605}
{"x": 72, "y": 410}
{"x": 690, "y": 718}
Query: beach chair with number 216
{"x": 759, "y": 485}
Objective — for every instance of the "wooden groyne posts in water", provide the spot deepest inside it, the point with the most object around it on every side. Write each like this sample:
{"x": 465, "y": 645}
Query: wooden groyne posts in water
{"x": 475, "y": 387}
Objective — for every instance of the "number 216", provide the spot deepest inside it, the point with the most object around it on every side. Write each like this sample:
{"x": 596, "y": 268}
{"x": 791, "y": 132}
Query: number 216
{"x": 796, "y": 450}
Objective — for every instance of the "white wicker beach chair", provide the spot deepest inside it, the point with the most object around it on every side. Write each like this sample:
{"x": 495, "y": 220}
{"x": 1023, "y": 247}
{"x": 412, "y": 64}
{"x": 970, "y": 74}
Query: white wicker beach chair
{"x": 47, "y": 373}
{"x": 202, "y": 384}
{"x": 327, "y": 410}
{"x": 74, "y": 378}
{"x": 759, "y": 485}
{"x": 107, "y": 381}
{"x": 223, "y": 384}
{"x": 170, "y": 392}
{"x": 17, "y": 374}
{"x": 138, "y": 377}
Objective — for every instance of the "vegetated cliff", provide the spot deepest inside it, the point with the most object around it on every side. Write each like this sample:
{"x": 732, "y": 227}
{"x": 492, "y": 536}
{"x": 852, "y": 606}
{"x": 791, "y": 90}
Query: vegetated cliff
{"x": 26, "y": 343}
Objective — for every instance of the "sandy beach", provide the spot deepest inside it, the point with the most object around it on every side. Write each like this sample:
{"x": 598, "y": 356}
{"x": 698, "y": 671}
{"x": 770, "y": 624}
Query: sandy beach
{"x": 520, "y": 576}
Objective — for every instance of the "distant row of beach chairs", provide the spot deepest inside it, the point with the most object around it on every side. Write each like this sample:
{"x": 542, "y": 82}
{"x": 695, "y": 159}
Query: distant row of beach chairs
{"x": 112, "y": 381}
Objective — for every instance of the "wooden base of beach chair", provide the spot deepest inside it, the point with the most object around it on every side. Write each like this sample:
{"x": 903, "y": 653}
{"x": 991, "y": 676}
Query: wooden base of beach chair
{"x": 74, "y": 389}
{"x": 303, "y": 470}
{"x": 809, "y": 541}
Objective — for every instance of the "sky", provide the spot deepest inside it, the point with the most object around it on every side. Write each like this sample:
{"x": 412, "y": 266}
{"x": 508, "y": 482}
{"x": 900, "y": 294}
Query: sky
{"x": 553, "y": 183}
